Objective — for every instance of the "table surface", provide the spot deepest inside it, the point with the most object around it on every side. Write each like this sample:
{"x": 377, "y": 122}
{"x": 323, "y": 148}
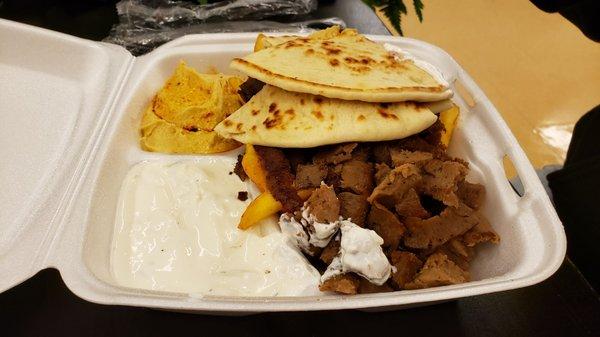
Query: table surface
{"x": 563, "y": 305}
{"x": 524, "y": 67}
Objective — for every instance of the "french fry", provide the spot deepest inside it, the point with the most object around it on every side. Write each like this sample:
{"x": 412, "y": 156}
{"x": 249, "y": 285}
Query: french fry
{"x": 253, "y": 168}
{"x": 448, "y": 119}
{"x": 263, "y": 206}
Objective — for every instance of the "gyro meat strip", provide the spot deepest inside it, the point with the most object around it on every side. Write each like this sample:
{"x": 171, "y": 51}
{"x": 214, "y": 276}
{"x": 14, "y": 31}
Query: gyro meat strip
{"x": 416, "y": 143}
{"x": 354, "y": 207}
{"x": 381, "y": 171}
{"x": 357, "y": 176}
{"x": 410, "y": 206}
{"x": 334, "y": 176}
{"x": 435, "y": 231}
{"x": 471, "y": 194}
{"x": 310, "y": 175}
{"x": 386, "y": 225}
{"x": 279, "y": 177}
{"x": 366, "y": 287}
{"x": 239, "y": 169}
{"x": 362, "y": 152}
{"x": 482, "y": 232}
{"x": 438, "y": 270}
{"x": 344, "y": 284}
{"x": 441, "y": 179}
{"x": 381, "y": 153}
{"x": 458, "y": 252}
{"x": 330, "y": 251}
{"x": 297, "y": 157}
{"x": 395, "y": 185}
{"x": 432, "y": 205}
{"x": 335, "y": 155}
{"x": 305, "y": 193}
{"x": 458, "y": 247}
{"x": 324, "y": 204}
{"x": 407, "y": 265}
{"x": 428, "y": 140}
{"x": 401, "y": 157}
{"x": 433, "y": 135}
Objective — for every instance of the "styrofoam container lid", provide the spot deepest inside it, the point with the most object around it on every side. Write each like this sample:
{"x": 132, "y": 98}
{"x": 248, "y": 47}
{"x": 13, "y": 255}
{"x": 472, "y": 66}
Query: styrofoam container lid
{"x": 69, "y": 134}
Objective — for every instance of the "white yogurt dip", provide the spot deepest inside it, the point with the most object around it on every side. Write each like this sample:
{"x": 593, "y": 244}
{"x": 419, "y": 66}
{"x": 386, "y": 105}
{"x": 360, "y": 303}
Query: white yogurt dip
{"x": 176, "y": 230}
{"x": 308, "y": 232}
{"x": 360, "y": 252}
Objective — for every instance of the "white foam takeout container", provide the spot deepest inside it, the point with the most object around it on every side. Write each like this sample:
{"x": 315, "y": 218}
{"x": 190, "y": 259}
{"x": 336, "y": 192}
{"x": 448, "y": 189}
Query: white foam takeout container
{"x": 69, "y": 133}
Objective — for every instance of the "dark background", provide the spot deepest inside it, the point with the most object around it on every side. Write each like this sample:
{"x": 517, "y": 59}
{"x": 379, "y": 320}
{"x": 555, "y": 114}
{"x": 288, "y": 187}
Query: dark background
{"x": 564, "y": 305}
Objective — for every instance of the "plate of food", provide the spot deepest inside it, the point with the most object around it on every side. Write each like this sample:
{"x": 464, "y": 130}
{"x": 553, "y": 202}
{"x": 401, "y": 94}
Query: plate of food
{"x": 241, "y": 173}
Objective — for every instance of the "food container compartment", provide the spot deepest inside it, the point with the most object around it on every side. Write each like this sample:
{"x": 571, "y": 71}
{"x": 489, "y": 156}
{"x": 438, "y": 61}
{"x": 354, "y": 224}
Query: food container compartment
{"x": 73, "y": 109}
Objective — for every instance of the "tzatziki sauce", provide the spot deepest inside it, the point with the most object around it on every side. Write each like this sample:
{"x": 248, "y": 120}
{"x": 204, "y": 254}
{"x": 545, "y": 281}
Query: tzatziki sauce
{"x": 176, "y": 231}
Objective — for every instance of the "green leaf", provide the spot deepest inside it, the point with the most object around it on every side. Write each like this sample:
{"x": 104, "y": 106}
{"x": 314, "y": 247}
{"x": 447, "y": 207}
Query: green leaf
{"x": 374, "y": 3}
{"x": 394, "y": 9}
{"x": 418, "y": 4}
{"x": 203, "y": 2}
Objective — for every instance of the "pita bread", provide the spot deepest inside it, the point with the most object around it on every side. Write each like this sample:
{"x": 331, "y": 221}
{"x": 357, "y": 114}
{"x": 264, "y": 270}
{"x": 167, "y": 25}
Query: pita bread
{"x": 279, "y": 118}
{"x": 263, "y": 41}
{"x": 266, "y": 41}
{"x": 341, "y": 64}
{"x": 439, "y": 106}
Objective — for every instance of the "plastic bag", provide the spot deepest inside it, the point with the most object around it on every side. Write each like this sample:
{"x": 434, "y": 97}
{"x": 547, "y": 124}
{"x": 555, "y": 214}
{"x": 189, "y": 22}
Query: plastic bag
{"x": 144, "y": 25}
{"x": 142, "y": 41}
{"x": 160, "y": 13}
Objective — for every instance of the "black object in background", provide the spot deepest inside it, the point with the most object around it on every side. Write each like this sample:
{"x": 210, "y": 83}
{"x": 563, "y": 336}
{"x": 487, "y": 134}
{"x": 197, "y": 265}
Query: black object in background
{"x": 563, "y": 305}
{"x": 585, "y": 14}
{"x": 91, "y": 19}
{"x": 576, "y": 191}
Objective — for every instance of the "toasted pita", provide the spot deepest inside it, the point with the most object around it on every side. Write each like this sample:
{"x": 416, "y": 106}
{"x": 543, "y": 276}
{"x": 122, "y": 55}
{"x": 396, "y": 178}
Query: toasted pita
{"x": 266, "y": 41}
{"x": 341, "y": 64}
{"x": 182, "y": 115}
{"x": 197, "y": 101}
{"x": 279, "y": 118}
{"x": 263, "y": 41}
{"x": 161, "y": 136}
